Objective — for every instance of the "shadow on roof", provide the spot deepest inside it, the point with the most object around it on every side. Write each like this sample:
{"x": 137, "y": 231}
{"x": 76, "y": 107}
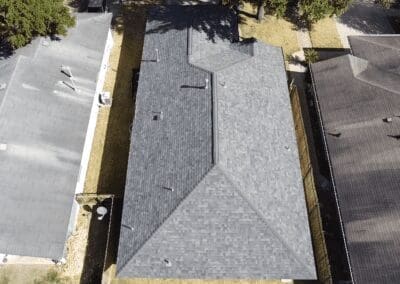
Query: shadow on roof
{"x": 211, "y": 20}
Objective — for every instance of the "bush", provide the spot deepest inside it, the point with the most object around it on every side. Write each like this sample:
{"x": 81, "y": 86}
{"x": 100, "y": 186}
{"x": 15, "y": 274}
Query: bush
{"x": 278, "y": 7}
{"x": 311, "y": 56}
{"x": 315, "y": 10}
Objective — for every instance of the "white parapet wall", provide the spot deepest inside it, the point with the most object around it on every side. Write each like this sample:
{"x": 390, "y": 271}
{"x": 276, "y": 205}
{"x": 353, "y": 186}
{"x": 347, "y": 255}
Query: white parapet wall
{"x": 90, "y": 133}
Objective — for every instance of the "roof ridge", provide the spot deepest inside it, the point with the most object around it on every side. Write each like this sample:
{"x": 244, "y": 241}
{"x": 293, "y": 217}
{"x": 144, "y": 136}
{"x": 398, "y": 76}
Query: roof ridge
{"x": 360, "y": 76}
{"x": 357, "y": 64}
{"x": 260, "y": 215}
{"x": 121, "y": 267}
{"x": 366, "y": 38}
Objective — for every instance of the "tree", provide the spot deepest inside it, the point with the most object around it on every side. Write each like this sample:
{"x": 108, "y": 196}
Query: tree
{"x": 21, "y": 21}
{"x": 276, "y": 7}
{"x": 315, "y": 10}
{"x": 385, "y": 3}
{"x": 260, "y": 10}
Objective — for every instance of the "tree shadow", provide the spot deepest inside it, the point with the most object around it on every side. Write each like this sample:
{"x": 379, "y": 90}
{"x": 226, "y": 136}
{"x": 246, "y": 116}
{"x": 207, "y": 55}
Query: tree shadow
{"x": 5, "y": 50}
{"x": 97, "y": 242}
{"x": 130, "y": 22}
{"x": 78, "y": 5}
{"x": 368, "y": 18}
{"x": 214, "y": 21}
{"x": 292, "y": 15}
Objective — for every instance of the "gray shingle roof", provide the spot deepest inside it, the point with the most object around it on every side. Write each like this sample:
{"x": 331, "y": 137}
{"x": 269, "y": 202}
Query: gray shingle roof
{"x": 355, "y": 95}
{"x": 237, "y": 208}
{"x": 44, "y": 123}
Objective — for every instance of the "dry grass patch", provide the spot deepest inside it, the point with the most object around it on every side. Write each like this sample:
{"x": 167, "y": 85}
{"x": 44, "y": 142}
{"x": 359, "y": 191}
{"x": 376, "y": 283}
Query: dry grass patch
{"x": 325, "y": 35}
{"x": 34, "y": 274}
{"x": 272, "y": 30}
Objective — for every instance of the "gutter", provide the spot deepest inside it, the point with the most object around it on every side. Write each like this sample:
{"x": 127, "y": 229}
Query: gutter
{"x": 331, "y": 171}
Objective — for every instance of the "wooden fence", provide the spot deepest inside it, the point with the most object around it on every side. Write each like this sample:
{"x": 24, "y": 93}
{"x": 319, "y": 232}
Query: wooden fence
{"x": 317, "y": 234}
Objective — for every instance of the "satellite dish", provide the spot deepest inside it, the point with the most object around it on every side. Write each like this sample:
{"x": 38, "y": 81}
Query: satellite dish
{"x": 101, "y": 211}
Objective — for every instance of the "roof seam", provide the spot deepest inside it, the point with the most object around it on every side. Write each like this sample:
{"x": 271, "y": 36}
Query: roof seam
{"x": 364, "y": 38}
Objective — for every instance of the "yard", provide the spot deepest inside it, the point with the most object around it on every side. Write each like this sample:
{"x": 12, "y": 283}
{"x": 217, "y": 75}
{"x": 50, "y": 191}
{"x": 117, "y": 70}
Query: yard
{"x": 272, "y": 30}
{"x": 282, "y": 32}
{"x": 324, "y": 34}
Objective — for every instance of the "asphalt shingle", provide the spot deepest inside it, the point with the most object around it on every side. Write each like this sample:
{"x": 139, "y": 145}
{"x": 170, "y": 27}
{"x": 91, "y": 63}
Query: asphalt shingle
{"x": 237, "y": 209}
{"x": 355, "y": 97}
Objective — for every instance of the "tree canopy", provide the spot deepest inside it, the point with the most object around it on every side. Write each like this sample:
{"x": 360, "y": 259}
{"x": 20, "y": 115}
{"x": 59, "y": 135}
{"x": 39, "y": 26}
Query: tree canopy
{"x": 309, "y": 10}
{"x": 22, "y": 20}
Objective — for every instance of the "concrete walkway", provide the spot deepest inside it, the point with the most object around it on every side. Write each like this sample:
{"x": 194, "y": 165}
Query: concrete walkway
{"x": 303, "y": 38}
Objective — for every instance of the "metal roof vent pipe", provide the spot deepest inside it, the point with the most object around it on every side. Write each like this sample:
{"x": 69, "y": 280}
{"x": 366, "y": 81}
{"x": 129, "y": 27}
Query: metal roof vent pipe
{"x": 387, "y": 119}
{"x": 3, "y": 146}
{"x": 167, "y": 262}
{"x": 206, "y": 83}
{"x": 66, "y": 70}
{"x": 336, "y": 134}
{"x": 168, "y": 188}
{"x": 157, "y": 55}
{"x": 3, "y": 86}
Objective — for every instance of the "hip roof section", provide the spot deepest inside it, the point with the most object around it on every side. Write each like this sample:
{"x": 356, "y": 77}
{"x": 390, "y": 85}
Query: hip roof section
{"x": 214, "y": 188}
{"x": 356, "y": 97}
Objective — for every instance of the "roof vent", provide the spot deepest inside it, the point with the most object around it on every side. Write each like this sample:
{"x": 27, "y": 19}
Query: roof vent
{"x": 223, "y": 84}
{"x": 168, "y": 188}
{"x": 206, "y": 83}
{"x": 157, "y": 115}
{"x": 3, "y": 146}
{"x": 3, "y": 86}
{"x": 105, "y": 99}
{"x": 397, "y": 137}
{"x": 387, "y": 119}
{"x": 157, "y": 55}
{"x": 67, "y": 71}
{"x": 336, "y": 134}
{"x": 128, "y": 227}
{"x": 167, "y": 262}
